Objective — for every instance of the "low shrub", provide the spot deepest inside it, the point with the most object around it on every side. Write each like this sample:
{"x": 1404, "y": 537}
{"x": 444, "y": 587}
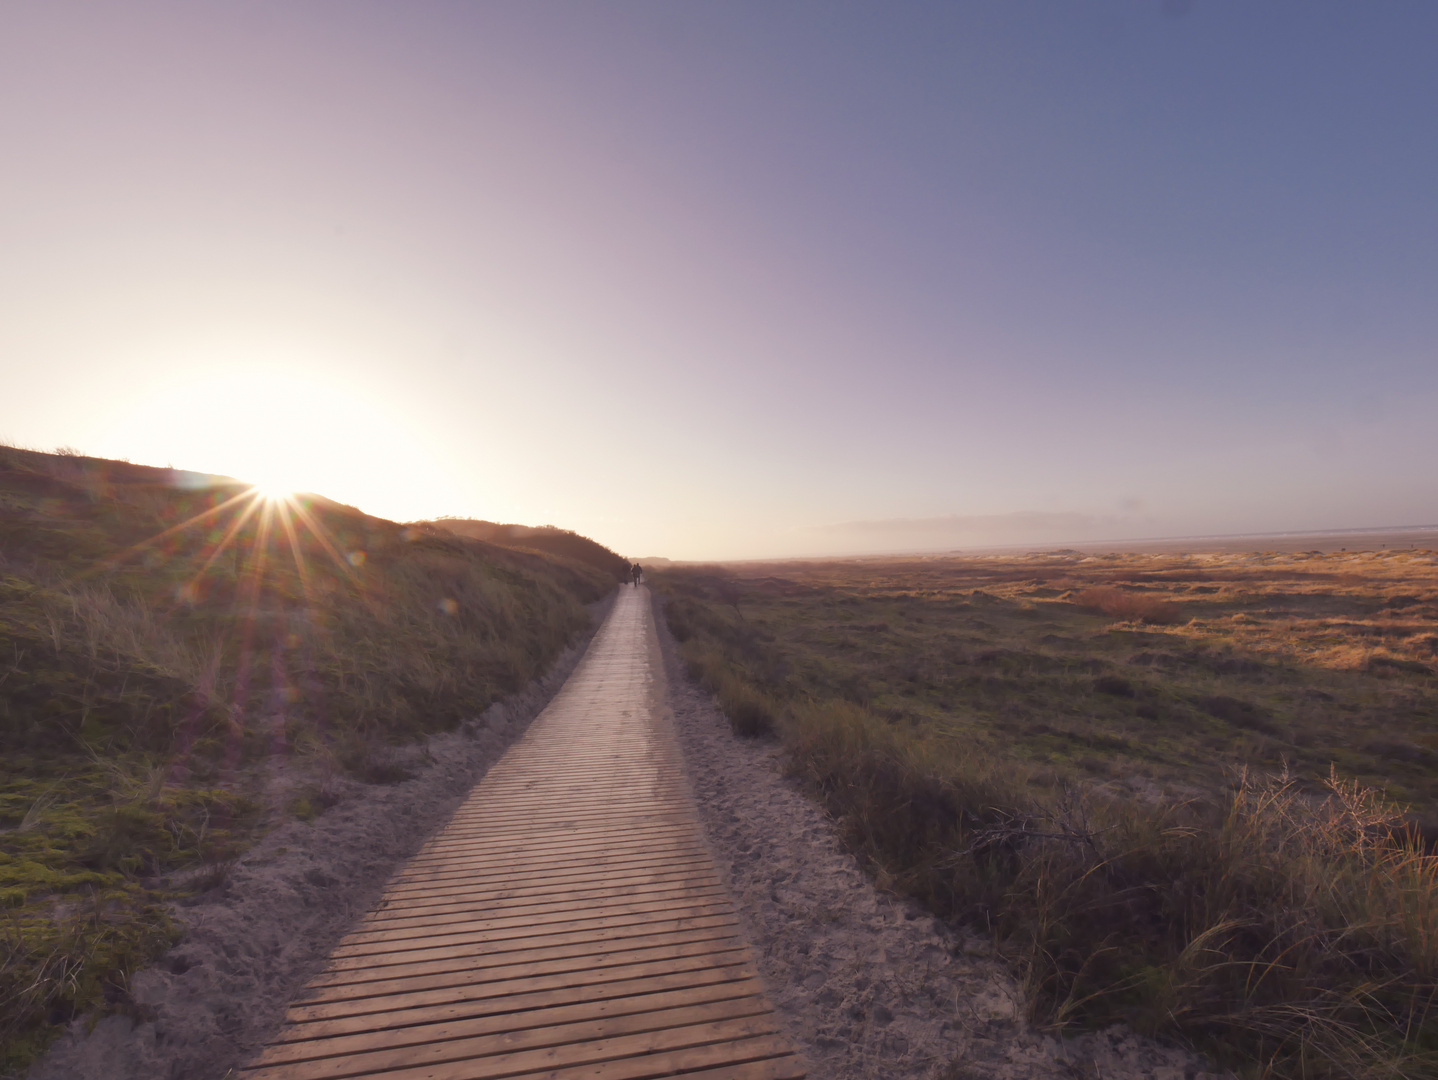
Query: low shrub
{"x": 1128, "y": 605}
{"x": 1114, "y": 685}
{"x": 1239, "y": 713}
{"x": 1388, "y": 664}
{"x": 750, "y": 713}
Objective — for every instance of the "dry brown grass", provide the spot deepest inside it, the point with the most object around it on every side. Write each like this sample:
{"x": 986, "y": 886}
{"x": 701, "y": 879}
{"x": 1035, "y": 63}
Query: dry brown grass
{"x": 1133, "y": 606}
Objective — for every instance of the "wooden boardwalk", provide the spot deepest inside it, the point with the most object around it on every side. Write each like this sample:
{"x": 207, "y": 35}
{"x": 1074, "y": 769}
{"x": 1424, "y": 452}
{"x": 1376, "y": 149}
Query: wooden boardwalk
{"x": 567, "y": 923}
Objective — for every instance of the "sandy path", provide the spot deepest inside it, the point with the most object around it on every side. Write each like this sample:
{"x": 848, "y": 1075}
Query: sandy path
{"x": 869, "y": 984}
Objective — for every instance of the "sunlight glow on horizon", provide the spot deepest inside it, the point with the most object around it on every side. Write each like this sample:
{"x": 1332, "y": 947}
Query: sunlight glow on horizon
{"x": 285, "y": 432}
{"x": 276, "y": 491}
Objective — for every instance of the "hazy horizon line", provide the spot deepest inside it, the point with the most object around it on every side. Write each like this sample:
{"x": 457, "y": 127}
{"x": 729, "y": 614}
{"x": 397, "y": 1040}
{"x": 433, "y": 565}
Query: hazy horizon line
{"x": 1044, "y": 548}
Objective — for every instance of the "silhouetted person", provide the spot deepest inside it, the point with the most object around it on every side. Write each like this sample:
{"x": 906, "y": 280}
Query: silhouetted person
{"x": 638, "y": 573}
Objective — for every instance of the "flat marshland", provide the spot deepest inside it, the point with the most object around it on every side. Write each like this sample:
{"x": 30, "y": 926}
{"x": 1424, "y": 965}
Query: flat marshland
{"x": 170, "y": 645}
{"x": 1197, "y": 794}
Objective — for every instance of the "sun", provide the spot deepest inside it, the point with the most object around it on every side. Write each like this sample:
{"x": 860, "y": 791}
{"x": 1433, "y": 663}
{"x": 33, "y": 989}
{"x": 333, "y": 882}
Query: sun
{"x": 272, "y": 491}
{"x": 273, "y": 482}
{"x": 284, "y": 429}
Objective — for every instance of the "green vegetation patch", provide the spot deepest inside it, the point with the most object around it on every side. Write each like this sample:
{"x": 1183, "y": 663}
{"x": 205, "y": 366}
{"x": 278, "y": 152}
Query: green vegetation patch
{"x": 84, "y": 864}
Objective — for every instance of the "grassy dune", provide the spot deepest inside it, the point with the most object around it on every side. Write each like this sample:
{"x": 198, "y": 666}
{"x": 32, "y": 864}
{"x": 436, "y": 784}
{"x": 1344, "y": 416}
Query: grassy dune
{"x": 163, "y": 638}
{"x": 1194, "y": 794}
{"x": 558, "y": 543}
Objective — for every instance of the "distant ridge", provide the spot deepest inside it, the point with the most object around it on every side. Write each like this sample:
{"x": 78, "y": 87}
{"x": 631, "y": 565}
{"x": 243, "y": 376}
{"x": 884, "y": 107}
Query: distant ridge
{"x": 549, "y": 539}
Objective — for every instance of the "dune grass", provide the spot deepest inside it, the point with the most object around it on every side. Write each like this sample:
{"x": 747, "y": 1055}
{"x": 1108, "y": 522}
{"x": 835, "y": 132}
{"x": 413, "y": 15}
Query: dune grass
{"x": 151, "y": 670}
{"x": 559, "y": 543}
{"x": 1212, "y": 826}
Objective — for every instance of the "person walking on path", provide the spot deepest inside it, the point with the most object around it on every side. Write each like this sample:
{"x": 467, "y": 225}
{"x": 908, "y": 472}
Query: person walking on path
{"x": 637, "y": 572}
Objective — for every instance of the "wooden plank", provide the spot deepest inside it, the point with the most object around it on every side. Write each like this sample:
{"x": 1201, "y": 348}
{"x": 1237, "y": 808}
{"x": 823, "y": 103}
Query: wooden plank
{"x": 539, "y": 876}
{"x": 628, "y": 935}
{"x": 761, "y": 1058}
{"x": 639, "y": 862}
{"x": 506, "y": 899}
{"x": 461, "y": 928}
{"x": 568, "y": 856}
{"x": 466, "y": 979}
{"x": 570, "y": 1044}
{"x": 645, "y": 834}
{"x": 788, "y": 1067}
{"x": 455, "y": 908}
{"x": 609, "y": 860}
{"x": 609, "y": 870}
{"x": 564, "y": 774}
{"x": 553, "y": 1022}
{"x": 508, "y": 933}
{"x": 367, "y": 981}
{"x": 536, "y": 838}
{"x": 632, "y": 900}
{"x": 485, "y": 999}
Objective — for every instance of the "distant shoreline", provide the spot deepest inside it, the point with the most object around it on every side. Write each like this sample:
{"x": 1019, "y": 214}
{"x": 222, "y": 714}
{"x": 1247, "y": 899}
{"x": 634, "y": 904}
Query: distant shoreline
{"x": 1325, "y": 541}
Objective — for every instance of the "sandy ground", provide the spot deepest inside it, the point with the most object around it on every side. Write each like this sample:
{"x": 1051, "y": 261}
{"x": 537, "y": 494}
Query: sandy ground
{"x": 249, "y": 946}
{"x": 869, "y": 984}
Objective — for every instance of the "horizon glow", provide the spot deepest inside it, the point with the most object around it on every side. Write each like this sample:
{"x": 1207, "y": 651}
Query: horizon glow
{"x": 737, "y": 280}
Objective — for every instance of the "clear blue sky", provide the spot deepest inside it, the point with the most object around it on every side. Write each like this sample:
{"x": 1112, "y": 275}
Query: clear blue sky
{"x": 738, "y": 279}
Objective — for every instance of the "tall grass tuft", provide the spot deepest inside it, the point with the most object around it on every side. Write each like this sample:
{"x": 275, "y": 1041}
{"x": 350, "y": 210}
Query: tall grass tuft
{"x": 751, "y": 712}
{"x": 1270, "y": 928}
{"x": 55, "y": 970}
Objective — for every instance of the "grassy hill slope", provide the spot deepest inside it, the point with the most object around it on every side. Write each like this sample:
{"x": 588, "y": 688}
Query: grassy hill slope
{"x": 163, "y": 637}
{"x": 546, "y": 538}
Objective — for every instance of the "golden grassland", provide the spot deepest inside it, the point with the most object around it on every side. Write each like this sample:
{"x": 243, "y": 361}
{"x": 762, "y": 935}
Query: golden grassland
{"x": 165, "y": 638}
{"x": 1193, "y": 793}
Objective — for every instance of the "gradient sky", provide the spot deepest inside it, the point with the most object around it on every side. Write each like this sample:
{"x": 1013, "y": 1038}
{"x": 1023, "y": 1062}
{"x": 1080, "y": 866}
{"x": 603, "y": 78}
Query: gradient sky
{"x": 713, "y": 280}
